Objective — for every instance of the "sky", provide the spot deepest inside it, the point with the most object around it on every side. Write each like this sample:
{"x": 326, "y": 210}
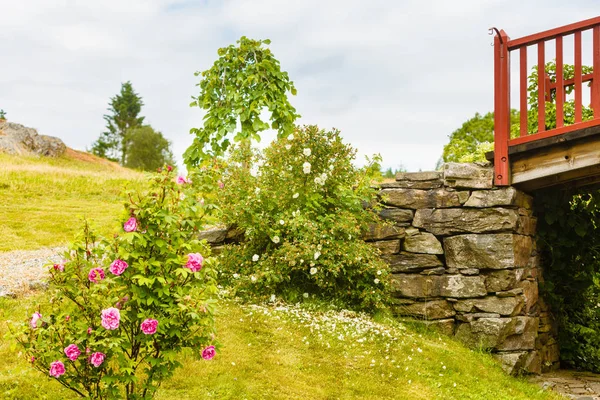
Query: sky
{"x": 396, "y": 77}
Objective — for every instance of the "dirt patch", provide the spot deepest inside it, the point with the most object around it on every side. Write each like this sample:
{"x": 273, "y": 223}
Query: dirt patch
{"x": 571, "y": 384}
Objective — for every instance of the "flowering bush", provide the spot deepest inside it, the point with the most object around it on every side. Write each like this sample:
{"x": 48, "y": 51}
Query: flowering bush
{"x": 122, "y": 309}
{"x": 300, "y": 204}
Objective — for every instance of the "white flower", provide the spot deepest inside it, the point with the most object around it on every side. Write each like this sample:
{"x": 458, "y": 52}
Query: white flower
{"x": 235, "y": 276}
{"x": 291, "y": 136}
{"x": 378, "y": 272}
{"x": 295, "y": 196}
{"x": 275, "y": 239}
{"x": 307, "y": 152}
{"x": 253, "y": 278}
{"x": 317, "y": 254}
{"x": 255, "y": 257}
{"x": 319, "y": 181}
{"x": 281, "y": 222}
{"x": 273, "y": 298}
{"x": 313, "y": 271}
{"x": 288, "y": 146}
{"x": 257, "y": 190}
{"x": 182, "y": 196}
{"x": 331, "y": 167}
{"x": 305, "y": 295}
{"x": 376, "y": 281}
{"x": 306, "y": 167}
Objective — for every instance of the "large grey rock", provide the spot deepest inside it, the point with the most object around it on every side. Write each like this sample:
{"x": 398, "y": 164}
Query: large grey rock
{"x": 443, "y": 326}
{"x": 422, "y": 286}
{"x": 523, "y": 337}
{"x": 416, "y": 180}
{"x": 508, "y": 196}
{"x": 488, "y": 251}
{"x": 460, "y": 286}
{"x": 383, "y": 232}
{"x": 530, "y": 292}
{"x": 422, "y": 243}
{"x": 415, "y": 198}
{"x": 387, "y": 246}
{"x": 502, "y": 280}
{"x": 485, "y": 333}
{"x": 506, "y": 306}
{"x": 397, "y": 214}
{"x": 409, "y": 262}
{"x": 516, "y": 363}
{"x": 468, "y": 176}
{"x": 214, "y": 236}
{"x": 20, "y": 140}
{"x": 436, "y": 309}
{"x": 466, "y": 220}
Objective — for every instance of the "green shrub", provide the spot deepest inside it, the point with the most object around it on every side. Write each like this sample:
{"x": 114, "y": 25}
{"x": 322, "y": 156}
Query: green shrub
{"x": 121, "y": 309}
{"x": 300, "y": 204}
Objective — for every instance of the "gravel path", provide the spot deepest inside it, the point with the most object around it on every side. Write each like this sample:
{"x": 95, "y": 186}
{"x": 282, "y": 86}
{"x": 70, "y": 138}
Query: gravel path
{"x": 23, "y": 270}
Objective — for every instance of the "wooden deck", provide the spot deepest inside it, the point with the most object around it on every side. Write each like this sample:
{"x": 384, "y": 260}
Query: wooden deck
{"x": 571, "y": 159}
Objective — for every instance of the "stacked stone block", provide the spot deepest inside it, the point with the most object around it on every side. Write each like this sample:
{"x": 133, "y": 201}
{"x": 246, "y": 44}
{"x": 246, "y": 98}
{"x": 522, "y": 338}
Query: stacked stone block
{"x": 463, "y": 257}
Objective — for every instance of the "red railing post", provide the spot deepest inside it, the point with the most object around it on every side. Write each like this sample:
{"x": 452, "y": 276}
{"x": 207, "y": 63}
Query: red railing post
{"x": 501, "y": 109}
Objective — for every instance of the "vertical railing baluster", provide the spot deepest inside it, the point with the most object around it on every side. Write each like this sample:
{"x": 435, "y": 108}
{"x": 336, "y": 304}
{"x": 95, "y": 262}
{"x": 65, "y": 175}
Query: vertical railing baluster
{"x": 560, "y": 88}
{"x": 541, "y": 89}
{"x": 523, "y": 90}
{"x": 501, "y": 108}
{"x": 578, "y": 77}
{"x": 595, "y": 93}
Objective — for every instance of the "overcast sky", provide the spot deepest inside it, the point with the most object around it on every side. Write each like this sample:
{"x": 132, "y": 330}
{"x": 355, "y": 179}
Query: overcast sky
{"x": 396, "y": 77}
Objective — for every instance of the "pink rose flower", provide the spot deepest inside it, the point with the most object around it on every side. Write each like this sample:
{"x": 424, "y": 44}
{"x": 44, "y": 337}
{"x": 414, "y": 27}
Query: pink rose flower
{"x": 208, "y": 353}
{"x": 89, "y": 330}
{"x": 111, "y": 318}
{"x": 169, "y": 168}
{"x": 149, "y": 326}
{"x": 59, "y": 267}
{"x": 68, "y": 318}
{"x": 118, "y": 267}
{"x": 96, "y": 275}
{"x": 131, "y": 225}
{"x": 195, "y": 261}
{"x": 221, "y": 185}
{"x": 88, "y": 350}
{"x": 97, "y": 358}
{"x": 182, "y": 180}
{"x": 34, "y": 319}
{"x": 32, "y": 359}
{"x": 72, "y": 352}
{"x": 57, "y": 369}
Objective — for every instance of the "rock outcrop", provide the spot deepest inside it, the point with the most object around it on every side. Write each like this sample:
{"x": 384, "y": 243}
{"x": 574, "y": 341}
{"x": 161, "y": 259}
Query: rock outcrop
{"x": 20, "y": 140}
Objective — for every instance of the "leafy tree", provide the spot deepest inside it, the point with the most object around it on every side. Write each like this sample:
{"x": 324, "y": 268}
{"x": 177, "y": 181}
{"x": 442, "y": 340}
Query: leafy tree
{"x": 2, "y": 114}
{"x": 245, "y": 80}
{"x": 391, "y": 173}
{"x": 124, "y": 115}
{"x": 147, "y": 149}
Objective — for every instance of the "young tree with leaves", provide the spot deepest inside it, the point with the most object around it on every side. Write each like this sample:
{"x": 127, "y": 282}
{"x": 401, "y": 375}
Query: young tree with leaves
{"x": 147, "y": 149}
{"x": 124, "y": 115}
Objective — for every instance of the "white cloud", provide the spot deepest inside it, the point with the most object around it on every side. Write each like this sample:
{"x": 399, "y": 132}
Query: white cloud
{"x": 396, "y": 77}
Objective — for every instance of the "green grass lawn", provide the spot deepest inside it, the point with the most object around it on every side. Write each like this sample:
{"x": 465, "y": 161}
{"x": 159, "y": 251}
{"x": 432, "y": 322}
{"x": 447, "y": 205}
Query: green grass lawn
{"x": 43, "y": 200}
{"x": 268, "y": 352}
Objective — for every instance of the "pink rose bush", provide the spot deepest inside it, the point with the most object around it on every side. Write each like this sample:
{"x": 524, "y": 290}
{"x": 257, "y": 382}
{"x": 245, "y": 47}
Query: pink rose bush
{"x": 72, "y": 352}
{"x": 57, "y": 368}
{"x": 111, "y": 318}
{"x": 99, "y": 324}
{"x": 97, "y": 358}
{"x": 96, "y": 275}
{"x": 194, "y": 262}
{"x": 182, "y": 180}
{"x": 131, "y": 225}
{"x": 117, "y": 267}
{"x": 59, "y": 267}
{"x": 208, "y": 353}
{"x": 149, "y": 326}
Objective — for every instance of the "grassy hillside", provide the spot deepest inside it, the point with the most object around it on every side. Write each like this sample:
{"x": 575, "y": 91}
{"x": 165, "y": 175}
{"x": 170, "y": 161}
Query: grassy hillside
{"x": 43, "y": 200}
{"x": 268, "y": 352}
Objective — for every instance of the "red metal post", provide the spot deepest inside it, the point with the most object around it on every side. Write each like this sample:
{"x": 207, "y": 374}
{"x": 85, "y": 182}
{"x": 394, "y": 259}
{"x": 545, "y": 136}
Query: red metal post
{"x": 501, "y": 109}
{"x": 577, "y": 77}
{"x": 541, "y": 86}
{"x": 596, "y": 73}
{"x": 523, "y": 90}
{"x": 560, "y": 88}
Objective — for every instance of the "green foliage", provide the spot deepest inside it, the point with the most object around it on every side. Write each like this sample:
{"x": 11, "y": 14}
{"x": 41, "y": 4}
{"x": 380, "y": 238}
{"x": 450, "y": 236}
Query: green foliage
{"x": 391, "y": 173}
{"x": 158, "y": 284}
{"x": 147, "y": 149}
{"x": 124, "y": 115}
{"x": 570, "y": 236}
{"x": 300, "y": 204}
{"x": 245, "y": 80}
{"x": 2, "y": 114}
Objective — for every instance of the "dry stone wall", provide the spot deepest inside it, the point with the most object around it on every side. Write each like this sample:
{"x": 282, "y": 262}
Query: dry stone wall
{"x": 463, "y": 257}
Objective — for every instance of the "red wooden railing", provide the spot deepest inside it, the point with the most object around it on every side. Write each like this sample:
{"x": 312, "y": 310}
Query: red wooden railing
{"x": 503, "y": 46}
